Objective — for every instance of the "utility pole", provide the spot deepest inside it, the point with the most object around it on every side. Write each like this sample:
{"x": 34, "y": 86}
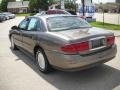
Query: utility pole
{"x": 83, "y": 5}
{"x": 103, "y": 14}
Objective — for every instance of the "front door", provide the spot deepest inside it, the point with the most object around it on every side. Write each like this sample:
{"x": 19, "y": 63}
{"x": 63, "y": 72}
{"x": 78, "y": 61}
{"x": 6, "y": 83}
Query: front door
{"x": 18, "y": 33}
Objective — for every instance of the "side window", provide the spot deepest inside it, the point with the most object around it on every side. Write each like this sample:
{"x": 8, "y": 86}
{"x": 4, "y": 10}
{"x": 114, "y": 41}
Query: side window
{"x": 38, "y": 26}
{"x": 23, "y": 25}
{"x": 32, "y": 24}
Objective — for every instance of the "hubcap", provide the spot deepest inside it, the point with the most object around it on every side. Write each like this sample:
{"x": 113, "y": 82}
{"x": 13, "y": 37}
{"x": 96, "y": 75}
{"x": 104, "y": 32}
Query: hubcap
{"x": 41, "y": 60}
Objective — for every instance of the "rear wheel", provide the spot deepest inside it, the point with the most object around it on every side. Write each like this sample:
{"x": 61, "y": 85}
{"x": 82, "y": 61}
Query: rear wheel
{"x": 42, "y": 62}
{"x": 13, "y": 46}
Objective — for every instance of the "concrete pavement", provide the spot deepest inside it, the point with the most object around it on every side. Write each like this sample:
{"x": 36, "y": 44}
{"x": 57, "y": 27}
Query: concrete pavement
{"x": 18, "y": 72}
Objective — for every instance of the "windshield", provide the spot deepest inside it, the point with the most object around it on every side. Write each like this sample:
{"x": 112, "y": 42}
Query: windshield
{"x": 66, "y": 23}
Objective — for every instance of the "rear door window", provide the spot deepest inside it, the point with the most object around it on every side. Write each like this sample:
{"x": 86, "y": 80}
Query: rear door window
{"x": 32, "y": 24}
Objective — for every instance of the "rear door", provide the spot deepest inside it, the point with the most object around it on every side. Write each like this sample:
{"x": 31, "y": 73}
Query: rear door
{"x": 30, "y": 34}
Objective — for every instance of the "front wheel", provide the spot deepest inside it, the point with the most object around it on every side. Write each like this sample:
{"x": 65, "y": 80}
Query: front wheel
{"x": 42, "y": 62}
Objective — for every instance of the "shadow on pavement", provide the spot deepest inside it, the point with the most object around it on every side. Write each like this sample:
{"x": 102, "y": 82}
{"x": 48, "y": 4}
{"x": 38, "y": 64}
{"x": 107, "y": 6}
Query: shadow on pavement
{"x": 103, "y": 77}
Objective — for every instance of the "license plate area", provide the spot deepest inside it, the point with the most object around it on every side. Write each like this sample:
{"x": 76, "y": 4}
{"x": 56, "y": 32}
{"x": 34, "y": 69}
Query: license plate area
{"x": 97, "y": 43}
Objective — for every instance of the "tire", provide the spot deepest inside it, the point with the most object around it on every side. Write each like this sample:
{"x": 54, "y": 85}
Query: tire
{"x": 6, "y": 18}
{"x": 42, "y": 61}
{"x": 13, "y": 46}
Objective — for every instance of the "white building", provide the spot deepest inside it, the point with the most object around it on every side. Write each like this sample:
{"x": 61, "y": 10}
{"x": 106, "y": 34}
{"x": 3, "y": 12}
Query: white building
{"x": 18, "y": 7}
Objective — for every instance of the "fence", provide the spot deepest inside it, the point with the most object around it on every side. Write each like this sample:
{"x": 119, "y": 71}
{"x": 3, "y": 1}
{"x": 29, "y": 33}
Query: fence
{"x": 108, "y": 18}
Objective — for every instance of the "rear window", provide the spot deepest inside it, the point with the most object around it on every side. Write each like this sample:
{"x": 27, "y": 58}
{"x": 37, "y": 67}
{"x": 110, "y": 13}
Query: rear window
{"x": 66, "y": 23}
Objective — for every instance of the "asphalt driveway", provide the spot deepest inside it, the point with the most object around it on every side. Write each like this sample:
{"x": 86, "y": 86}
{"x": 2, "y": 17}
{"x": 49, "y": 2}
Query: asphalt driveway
{"x": 18, "y": 71}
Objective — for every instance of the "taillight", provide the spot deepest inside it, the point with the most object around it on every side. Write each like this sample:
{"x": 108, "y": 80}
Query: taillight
{"x": 74, "y": 48}
{"x": 110, "y": 40}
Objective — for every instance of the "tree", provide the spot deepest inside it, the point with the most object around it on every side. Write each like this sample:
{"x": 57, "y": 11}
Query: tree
{"x": 3, "y": 5}
{"x": 70, "y": 6}
{"x": 32, "y": 5}
{"x": 36, "y": 5}
{"x": 11, "y": 0}
{"x": 50, "y": 2}
{"x": 43, "y": 4}
{"x": 25, "y": 0}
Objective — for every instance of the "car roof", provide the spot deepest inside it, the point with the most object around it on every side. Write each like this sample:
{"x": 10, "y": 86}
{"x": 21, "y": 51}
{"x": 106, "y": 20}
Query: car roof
{"x": 54, "y": 15}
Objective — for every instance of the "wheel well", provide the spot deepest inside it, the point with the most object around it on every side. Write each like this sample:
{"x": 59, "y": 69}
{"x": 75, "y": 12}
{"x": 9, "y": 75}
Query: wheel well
{"x": 10, "y": 36}
{"x": 36, "y": 48}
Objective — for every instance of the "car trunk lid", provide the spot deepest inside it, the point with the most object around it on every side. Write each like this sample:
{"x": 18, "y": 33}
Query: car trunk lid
{"x": 97, "y": 38}
{"x": 77, "y": 34}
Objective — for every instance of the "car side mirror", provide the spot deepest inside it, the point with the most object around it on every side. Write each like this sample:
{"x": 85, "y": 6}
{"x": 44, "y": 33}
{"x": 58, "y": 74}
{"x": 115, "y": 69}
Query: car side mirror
{"x": 14, "y": 27}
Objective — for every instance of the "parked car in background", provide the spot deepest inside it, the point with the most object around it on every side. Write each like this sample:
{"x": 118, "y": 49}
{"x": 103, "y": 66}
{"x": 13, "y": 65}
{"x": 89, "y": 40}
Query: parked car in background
{"x": 65, "y": 42}
{"x": 40, "y": 13}
{"x": 57, "y": 11}
{"x": 6, "y": 16}
{"x": 67, "y": 12}
{"x": 71, "y": 12}
{"x": 2, "y": 17}
{"x": 10, "y": 15}
{"x": 74, "y": 13}
{"x": 52, "y": 11}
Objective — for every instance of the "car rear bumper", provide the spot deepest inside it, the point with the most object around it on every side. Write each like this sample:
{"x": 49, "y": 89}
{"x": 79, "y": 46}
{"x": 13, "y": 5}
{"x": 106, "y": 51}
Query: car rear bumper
{"x": 76, "y": 62}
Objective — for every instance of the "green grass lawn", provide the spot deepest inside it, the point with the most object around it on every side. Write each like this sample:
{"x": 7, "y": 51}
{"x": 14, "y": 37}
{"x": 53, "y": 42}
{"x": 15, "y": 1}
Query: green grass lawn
{"x": 28, "y": 14}
{"x": 106, "y": 25}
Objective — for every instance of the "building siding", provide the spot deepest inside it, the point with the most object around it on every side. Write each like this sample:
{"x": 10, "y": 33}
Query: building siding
{"x": 18, "y": 7}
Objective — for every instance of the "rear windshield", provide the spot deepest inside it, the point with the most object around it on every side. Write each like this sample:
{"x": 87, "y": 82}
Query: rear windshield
{"x": 66, "y": 23}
